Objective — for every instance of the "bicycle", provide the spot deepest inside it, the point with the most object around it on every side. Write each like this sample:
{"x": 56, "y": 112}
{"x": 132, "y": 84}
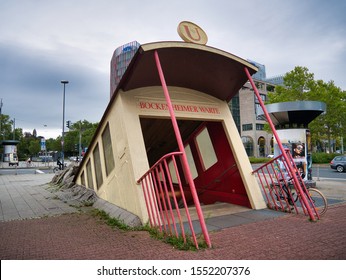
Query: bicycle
{"x": 285, "y": 192}
{"x": 58, "y": 168}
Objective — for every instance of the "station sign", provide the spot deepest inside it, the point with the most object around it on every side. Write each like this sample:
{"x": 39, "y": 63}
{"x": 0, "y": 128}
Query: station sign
{"x": 192, "y": 33}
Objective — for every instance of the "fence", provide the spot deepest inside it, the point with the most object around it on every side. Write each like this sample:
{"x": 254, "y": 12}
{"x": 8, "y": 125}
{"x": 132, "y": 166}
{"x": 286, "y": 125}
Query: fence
{"x": 166, "y": 201}
{"x": 280, "y": 191}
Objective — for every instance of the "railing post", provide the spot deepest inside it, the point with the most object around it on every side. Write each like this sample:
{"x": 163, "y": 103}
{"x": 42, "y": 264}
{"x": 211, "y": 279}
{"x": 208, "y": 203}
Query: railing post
{"x": 292, "y": 171}
{"x": 182, "y": 150}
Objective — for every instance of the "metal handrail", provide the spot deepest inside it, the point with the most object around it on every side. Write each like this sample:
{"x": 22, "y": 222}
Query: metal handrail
{"x": 157, "y": 163}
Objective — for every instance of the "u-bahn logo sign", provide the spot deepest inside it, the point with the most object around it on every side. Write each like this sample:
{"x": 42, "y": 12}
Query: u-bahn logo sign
{"x": 192, "y": 33}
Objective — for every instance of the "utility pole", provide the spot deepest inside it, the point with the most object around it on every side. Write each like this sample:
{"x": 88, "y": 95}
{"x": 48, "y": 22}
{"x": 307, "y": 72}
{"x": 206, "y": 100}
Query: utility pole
{"x": 1, "y": 117}
{"x": 14, "y": 129}
{"x": 64, "y": 82}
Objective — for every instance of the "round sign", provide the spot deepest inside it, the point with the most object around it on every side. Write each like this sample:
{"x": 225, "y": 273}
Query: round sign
{"x": 192, "y": 33}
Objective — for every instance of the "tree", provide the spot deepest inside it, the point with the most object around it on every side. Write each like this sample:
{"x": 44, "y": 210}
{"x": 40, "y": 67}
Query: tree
{"x": 34, "y": 146}
{"x": 300, "y": 85}
{"x": 6, "y": 127}
{"x": 87, "y": 131}
{"x": 331, "y": 124}
{"x": 29, "y": 144}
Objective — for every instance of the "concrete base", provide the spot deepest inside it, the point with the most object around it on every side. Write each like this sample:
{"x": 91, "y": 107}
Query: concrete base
{"x": 118, "y": 213}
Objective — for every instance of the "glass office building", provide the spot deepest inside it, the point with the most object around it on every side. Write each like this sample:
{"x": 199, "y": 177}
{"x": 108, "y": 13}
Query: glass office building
{"x": 122, "y": 57}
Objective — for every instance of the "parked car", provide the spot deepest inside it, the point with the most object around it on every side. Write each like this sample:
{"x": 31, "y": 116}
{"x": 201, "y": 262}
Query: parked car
{"x": 339, "y": 163}
{"x": 76, "y": 159}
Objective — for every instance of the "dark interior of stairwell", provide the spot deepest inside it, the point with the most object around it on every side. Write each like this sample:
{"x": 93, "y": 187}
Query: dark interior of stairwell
{"x": 159, "y": 139}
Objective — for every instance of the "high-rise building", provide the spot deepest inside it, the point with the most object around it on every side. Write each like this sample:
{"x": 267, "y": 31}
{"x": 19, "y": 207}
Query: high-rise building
{"x": 261, "y": 74}
{"x": 276, "y": 80}
{"x": 257, "y": 141}
{"x": 122, "y": 57}
{"x": 246, "y": 113}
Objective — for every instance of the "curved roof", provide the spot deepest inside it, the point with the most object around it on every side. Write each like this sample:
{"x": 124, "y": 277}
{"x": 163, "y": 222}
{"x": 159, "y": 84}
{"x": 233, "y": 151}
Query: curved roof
{"x": 202, "y": 68}
{"x": 9, "y": 142}
{"x": 188, "y": 65}
{"x": 296, "y": 112}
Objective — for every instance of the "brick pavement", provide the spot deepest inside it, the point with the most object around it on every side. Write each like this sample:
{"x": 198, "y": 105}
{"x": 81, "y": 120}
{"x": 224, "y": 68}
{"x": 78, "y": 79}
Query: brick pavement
{"x": 29, "y": 231}
{"x": 83, "y": 236}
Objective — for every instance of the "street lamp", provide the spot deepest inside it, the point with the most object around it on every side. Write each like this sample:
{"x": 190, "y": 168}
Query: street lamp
{"x": 64, "y": 82}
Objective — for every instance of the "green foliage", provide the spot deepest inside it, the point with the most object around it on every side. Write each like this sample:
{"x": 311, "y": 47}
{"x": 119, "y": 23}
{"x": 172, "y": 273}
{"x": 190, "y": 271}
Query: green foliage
{"x": 6, "y": 127}
{"x": 299, "y": 85}
{"x": 322, "y": 157}
{"x": 84, "y": 129}
{"x": 29, "y": 144}
{"x": 34, "y": 146}
{"x": 259, "y": 160}
{"x": 177, "y": 242}
{"x": 112, "y": 222}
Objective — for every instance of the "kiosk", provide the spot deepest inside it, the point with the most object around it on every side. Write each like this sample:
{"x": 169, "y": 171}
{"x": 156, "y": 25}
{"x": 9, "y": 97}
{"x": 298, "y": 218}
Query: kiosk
{"x": 10, "y": 152}
{"x": 291, "y": 121}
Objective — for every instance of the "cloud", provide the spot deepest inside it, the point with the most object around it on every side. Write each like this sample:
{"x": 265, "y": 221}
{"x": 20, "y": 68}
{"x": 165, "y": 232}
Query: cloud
{"x": 36, "y": 98}
{"x": 43, "y": 42}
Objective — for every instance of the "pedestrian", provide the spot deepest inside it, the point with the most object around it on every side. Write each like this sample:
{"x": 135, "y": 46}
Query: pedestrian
{"x": 58, "y": 162}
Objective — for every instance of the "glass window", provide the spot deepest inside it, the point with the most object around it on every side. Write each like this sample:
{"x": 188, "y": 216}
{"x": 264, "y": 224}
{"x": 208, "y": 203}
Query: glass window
{"x": 247, "y": 127}
{"x": 172, "y": 172}
{"x": 248, "y": 145}
{"x": 259, "y": 126}
{"x": 83, "y": 179}
{"x": 206, "y": 149}
{"x": 191, "y": 162}
{"x": 89, "y": 175}
{"x": 108, "y": 150}
{"x": 97, "y": 166}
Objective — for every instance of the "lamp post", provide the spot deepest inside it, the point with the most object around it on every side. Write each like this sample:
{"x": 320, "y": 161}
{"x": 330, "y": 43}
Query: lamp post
{"x": 64, "y": 82}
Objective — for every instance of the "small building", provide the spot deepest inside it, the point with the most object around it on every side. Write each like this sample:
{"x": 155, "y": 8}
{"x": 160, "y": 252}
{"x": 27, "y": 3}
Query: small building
{"x": 167, "y": 138}
{"x": 10, "y": 151}
{"x": 136, "y": 130}
{"x": 291, "y": 120}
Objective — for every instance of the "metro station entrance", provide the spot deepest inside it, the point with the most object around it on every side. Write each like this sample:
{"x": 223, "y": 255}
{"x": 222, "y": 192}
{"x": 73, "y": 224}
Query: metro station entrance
{"x": 211, "y": 160}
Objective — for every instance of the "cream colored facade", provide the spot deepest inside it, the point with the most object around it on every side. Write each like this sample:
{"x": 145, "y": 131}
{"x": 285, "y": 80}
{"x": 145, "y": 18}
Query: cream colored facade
{"x": 123, "y": 117}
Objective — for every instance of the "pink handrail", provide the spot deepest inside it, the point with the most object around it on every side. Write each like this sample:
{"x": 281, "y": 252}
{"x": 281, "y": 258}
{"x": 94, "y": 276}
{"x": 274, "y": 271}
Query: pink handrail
{"x": 282, "y": 149}
{"x": 157, "y": 185}
{"x": 157, "y": 163}
{"x": 185, "y": 163}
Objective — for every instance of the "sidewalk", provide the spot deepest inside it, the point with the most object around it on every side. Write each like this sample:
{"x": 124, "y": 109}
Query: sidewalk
{"x": 24, "y": 197}
{"x": 78, "y": 235}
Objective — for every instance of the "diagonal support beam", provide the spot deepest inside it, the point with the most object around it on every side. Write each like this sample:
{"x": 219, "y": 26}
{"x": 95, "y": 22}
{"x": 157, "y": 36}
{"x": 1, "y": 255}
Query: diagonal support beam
{"x": 182, "y": 150}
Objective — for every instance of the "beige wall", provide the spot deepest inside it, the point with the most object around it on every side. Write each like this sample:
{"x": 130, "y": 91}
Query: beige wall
{"x": 120, "y": 187}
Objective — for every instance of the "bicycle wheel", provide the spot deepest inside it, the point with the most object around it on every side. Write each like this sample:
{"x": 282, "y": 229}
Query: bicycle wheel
{"x": 294, "y": 196}
{"x": 319, "y": 201}
{"x": 278, "y": 198}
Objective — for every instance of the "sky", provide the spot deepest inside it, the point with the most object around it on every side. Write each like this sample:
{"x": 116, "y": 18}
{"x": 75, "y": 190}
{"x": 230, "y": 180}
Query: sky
{"x": 45, "y": 41}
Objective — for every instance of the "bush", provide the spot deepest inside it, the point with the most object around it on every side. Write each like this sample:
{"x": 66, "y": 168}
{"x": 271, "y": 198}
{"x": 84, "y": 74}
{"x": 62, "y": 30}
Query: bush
{"x": 259, "y": 160}
{"x": 322, "y": 157}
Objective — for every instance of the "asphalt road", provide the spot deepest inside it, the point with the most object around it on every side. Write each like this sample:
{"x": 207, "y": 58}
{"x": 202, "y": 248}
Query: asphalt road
{"x": 326, "y": 172}
{"x": 318, "y": 171}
